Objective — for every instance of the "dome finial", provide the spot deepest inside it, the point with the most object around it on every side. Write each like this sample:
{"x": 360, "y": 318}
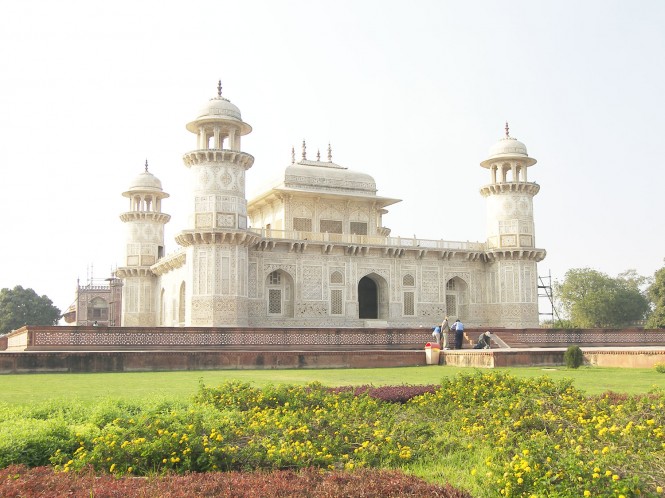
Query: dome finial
{"x": 146, "y": 165}
{"x": 219, "y": 88}
{"x": 304, "y": 151}
{"x": 293, "y": 155}
{"x": 318, "y": 155}
{"x": 329, "y": 153}
{"x": 507, "y": 130}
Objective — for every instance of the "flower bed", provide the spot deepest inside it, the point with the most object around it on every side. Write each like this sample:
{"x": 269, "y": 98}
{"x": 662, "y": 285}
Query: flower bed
{"x": 489, "y": 433}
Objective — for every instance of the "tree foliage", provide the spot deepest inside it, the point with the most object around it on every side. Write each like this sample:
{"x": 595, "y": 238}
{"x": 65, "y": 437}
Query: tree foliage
{"x": 589, "y": 298}
{"x": 656, "y": 293}
{"x": 19, "y": 307}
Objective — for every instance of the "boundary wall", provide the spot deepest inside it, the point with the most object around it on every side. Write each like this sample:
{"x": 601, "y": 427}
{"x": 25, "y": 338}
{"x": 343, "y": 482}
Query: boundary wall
{"x": 146, "y": 338}
{"x": 127, "y": 349}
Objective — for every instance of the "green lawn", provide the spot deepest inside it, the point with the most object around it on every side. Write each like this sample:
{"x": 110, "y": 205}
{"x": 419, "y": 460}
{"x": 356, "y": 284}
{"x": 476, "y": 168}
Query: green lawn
{"x": 36, "y": 388}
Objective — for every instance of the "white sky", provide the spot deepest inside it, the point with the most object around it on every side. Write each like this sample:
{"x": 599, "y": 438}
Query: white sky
{"x": 413, "y": 93}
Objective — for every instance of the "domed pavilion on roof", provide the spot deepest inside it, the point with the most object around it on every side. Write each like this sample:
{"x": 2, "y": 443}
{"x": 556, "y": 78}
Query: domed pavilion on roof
{"x": 311, "y": 249}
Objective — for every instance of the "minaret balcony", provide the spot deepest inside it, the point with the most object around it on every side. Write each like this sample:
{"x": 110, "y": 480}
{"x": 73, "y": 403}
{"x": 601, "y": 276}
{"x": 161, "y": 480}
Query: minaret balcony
{"x": 140, "y": 271}
{"x": 145, "y": 215}
{"x": 217, "y": 236}
{"x": 536, "y": 255}
{"x": 206, "y": 156}
{"x": 507, "y": 187}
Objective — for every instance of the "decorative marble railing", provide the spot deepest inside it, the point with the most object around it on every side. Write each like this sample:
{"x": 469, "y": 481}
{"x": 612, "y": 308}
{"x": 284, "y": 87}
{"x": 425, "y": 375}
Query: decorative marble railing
{"x": 108, "y": 338}
{"x": 348, "y": 238}
{"x": 83, "y": 338}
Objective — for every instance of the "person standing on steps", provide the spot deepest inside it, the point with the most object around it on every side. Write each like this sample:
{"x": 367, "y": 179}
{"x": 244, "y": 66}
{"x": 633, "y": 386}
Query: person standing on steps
{"x": 445, "y": 328}
{"x": 458, "y": 327}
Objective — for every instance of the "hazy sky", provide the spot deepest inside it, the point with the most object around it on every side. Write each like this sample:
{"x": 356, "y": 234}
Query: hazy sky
{"x": 413, "y": 93}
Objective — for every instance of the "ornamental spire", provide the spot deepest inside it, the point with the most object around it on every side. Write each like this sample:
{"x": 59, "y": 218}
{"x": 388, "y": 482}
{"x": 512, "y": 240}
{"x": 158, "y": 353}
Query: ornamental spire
{"x": 293, "y": 155}
{"x": 146, "y": 165}
{"x": 507, "y": 130}
{"x": 329, "y": 153}
{"x": 304, "y": 151}
{"x": 318, "y": 155}
{"x": 219, "y": 88}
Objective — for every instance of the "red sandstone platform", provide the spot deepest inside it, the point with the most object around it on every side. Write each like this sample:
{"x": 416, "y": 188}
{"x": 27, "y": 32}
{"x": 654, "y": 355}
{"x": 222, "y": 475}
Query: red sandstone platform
{"x": 153, "y": 360}
{"x": 131, "y": 349}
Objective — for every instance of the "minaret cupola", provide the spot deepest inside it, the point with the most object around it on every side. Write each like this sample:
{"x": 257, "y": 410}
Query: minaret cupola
{"x": 508, "y": 161}
{"x": 219, "y": 125}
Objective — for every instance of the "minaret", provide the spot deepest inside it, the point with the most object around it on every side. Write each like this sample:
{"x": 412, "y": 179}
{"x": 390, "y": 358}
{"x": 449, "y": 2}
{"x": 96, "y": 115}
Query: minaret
{"x": 216, "y": 238}
{"x": 144, "y": 245}
{"x": 511, "y": 249}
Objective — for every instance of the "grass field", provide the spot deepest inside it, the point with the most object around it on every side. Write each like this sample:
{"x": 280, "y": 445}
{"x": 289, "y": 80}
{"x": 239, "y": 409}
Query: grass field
{"x": 35, "y": 388}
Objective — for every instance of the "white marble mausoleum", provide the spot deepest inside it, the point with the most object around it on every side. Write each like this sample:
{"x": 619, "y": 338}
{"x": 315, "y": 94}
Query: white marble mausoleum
{"x": 312, "y": 250}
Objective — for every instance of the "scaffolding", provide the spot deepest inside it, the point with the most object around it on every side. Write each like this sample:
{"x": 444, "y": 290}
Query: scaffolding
{"x": 545, "y": 291}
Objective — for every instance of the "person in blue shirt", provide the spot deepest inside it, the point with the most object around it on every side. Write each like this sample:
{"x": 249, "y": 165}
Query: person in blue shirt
{"x": 436, "y": 333}
{"x": 458, "y": 327}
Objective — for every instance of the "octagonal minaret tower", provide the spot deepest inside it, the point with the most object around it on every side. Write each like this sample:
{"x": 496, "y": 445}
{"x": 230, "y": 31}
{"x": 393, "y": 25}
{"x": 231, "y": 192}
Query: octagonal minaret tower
{"x": 217, "y": 239}
{"x": 511, "y": 249}
{"x": 144, "y": 245}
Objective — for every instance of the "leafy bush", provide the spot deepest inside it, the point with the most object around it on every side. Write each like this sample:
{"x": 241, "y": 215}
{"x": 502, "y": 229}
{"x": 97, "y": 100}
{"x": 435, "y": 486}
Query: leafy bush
{"x": 236, "y": 426}
{"x": 660, "y": 367}
{"x": 573, "y": 357}
{"x": 31, "y": 441}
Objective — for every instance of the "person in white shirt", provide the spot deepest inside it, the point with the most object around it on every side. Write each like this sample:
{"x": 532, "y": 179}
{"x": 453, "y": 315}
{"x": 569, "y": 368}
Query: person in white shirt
{"x": 458, "y": 327}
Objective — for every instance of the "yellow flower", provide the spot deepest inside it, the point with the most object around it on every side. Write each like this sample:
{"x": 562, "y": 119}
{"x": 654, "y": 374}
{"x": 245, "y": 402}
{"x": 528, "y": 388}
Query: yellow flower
{"x": 587, "y": 492}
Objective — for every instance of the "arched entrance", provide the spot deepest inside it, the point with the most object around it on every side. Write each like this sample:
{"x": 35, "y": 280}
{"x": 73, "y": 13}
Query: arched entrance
{"x": 368, "y": 299}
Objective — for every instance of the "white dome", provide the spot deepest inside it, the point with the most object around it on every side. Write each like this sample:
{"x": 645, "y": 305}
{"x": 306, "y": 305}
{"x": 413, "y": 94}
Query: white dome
{"x": 145, "y": 181}
{"x": 508, "y": 146}
{"x": 329, "y": 176}
{"x": 219, "y": 107}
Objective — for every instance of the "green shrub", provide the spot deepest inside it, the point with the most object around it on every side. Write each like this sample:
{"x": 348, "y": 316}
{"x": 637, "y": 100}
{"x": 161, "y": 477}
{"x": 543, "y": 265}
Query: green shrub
{"x": 32, "y": 441}
{"x": 660, "y": 367}
{"x": 573, "y": 357}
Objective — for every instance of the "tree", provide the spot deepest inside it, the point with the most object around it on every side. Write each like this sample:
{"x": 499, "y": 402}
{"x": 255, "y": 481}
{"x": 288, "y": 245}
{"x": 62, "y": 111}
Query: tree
{"x": 656, "y": 293}
{"x": 19, "y": 307}
{"x": 590, "y": 298}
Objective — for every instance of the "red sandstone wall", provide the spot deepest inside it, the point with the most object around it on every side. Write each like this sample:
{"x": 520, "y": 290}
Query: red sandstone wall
{"x": 177, "y": 338}
{"x": 135, "y": 361}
